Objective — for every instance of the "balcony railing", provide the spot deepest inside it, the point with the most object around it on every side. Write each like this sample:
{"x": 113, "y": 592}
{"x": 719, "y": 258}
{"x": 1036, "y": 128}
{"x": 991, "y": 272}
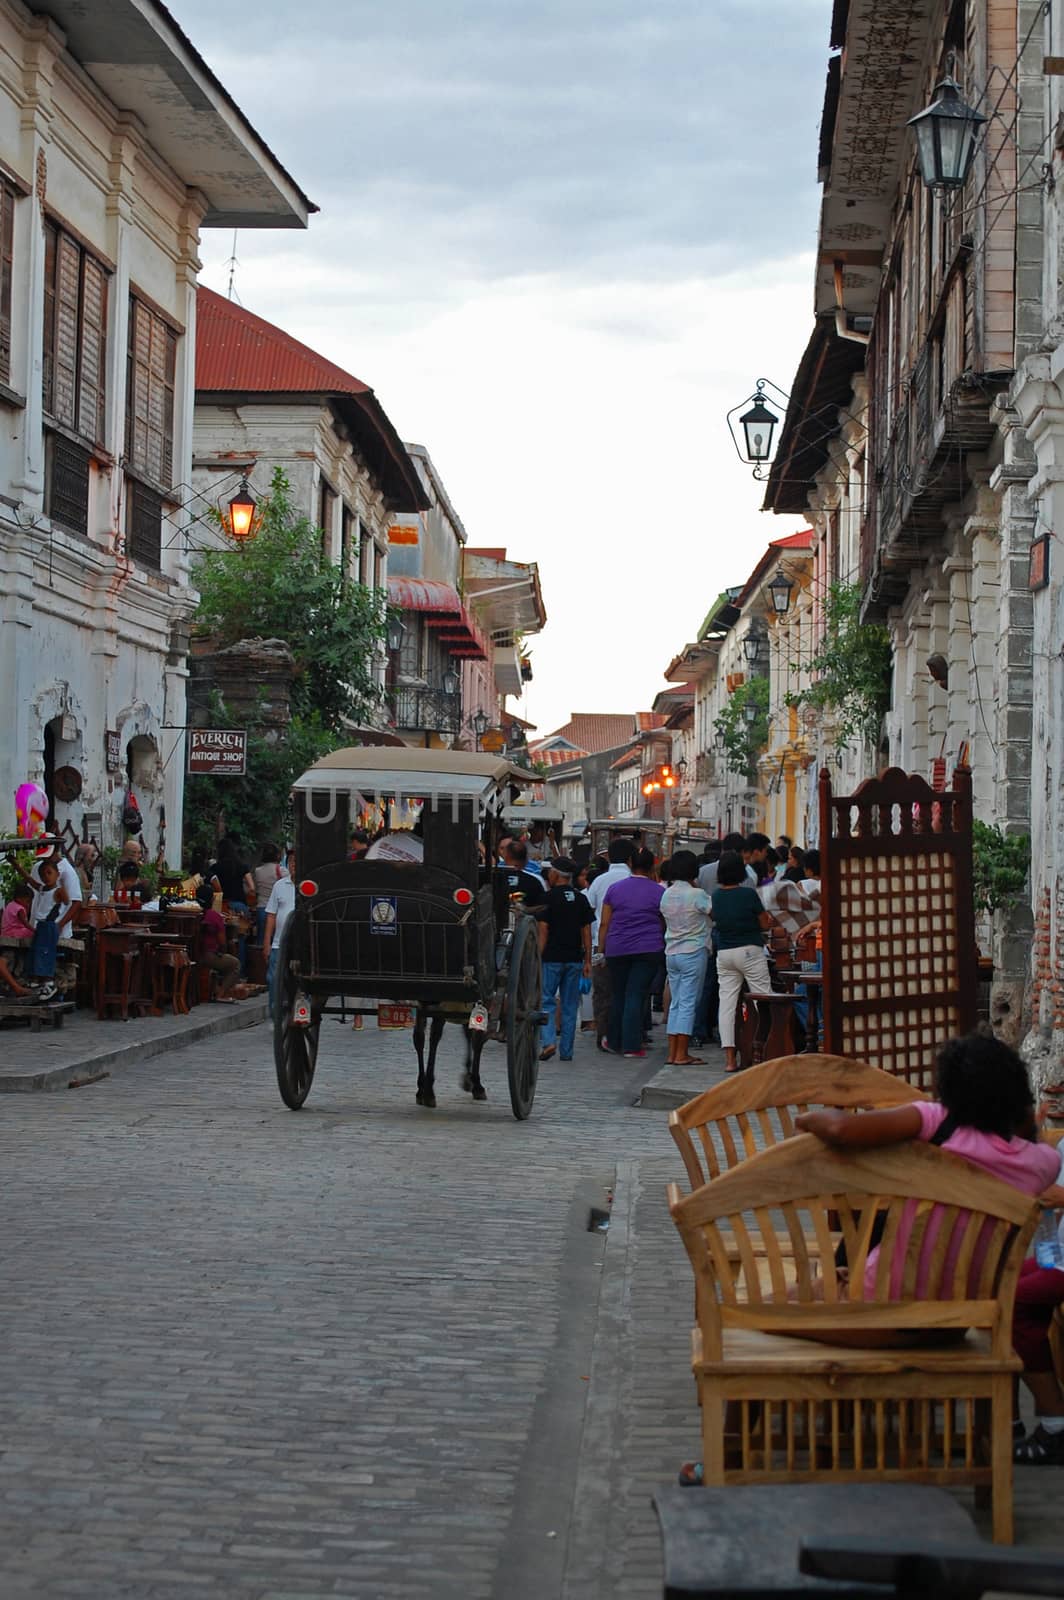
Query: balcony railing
{"x": 426, "y": 709}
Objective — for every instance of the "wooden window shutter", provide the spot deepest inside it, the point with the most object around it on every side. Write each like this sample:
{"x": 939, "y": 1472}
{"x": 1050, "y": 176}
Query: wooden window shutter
{"x": 93, "y": 362}
{"x": 67, "y": 303}
{"x": 51, "y": 240}
{"x": 150, "y": 395}
{"x": 7, "y": 239}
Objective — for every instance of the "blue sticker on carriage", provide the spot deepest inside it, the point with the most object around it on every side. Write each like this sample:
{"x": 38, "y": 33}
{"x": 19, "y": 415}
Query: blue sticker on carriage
{"x": 384, "y": 913}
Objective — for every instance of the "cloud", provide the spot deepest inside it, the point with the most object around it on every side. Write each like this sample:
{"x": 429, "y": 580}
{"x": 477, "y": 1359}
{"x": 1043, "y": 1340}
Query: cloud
{"x": 609, "y": 134}
{"x": 560, "y": 240}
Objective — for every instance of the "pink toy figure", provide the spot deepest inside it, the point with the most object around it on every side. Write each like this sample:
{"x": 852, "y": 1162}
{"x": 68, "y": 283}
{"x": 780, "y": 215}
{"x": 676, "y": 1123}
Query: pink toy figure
{"x": 31, "y": 810}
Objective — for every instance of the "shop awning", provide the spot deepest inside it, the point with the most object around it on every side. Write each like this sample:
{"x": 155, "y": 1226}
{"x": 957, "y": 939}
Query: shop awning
{"x": 442, "y": 608}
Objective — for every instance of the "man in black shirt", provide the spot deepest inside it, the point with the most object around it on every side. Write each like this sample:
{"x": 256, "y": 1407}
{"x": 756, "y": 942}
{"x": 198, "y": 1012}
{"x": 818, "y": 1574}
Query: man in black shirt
{"x": 529, "y": 885}
{"x": 565, "y": 945}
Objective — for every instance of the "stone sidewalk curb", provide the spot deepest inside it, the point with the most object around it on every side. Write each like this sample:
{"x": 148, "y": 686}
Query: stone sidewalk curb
{"x": 104, "y": 1062}
{"x": 674, "y": 1086}
{"x": 591, "y": 1569}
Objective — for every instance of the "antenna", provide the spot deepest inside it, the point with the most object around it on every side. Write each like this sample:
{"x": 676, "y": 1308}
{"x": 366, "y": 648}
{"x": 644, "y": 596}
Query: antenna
{"x": 232, "y": 264}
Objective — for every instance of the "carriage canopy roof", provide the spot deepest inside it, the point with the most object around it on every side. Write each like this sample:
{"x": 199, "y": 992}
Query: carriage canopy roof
{"x": 387, "y": 770}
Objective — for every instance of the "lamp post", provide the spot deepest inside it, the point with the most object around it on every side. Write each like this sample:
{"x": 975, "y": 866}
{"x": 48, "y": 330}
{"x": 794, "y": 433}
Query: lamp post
{"x": 946, "y": 135}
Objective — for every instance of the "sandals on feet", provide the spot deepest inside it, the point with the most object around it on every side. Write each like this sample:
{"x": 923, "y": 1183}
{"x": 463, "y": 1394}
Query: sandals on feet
{"x": 546, "y": 1053}
{"x": 1040, "y": 1449}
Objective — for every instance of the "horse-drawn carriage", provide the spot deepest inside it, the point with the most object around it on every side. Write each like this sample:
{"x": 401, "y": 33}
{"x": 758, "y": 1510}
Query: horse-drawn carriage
{"x": 423, "y": 919}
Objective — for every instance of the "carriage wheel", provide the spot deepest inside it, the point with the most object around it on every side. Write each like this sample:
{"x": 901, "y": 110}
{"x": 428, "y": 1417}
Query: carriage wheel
{"x": 295, "y": 1049}
{"x": 524, "y": 999}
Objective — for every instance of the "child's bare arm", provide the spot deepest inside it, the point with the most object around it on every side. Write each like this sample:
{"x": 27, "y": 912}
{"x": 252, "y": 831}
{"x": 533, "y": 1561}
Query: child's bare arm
{"x": 863, "y": 1130}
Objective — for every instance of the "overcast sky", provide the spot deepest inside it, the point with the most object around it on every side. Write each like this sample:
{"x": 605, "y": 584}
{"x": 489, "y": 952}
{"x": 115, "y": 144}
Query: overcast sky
{"x": 559, "y": 238}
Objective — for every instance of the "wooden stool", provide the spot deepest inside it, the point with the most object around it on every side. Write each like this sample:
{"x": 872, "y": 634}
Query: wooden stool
{"x": 772, "y": 1033}
{"x": 170, "y": 980}
{"x": 116, "y": 952}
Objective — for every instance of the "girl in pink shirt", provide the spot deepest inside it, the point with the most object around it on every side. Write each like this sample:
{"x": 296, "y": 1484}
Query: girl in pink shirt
{"x": 985, "y": 1113}
{"x": 15, "y": 923}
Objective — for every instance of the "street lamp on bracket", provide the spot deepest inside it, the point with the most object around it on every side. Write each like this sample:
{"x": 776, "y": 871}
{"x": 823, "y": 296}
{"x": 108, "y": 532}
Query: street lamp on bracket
{"x": 756, "y": 424}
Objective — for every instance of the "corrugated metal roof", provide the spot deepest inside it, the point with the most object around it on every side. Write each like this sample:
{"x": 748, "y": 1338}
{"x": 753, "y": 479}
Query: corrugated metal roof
{"x": 241, "y": 354}
{"x": 442, "y": 607}
{"x": 237, "y": 350}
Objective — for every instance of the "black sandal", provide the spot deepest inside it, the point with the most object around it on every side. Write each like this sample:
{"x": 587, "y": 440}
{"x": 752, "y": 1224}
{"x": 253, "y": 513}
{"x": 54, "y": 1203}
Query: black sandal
{"x": 1040, "y": 1449}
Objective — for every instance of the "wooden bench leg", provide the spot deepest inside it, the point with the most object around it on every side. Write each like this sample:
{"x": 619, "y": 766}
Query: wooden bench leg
{"x": 1001, "y": 1460}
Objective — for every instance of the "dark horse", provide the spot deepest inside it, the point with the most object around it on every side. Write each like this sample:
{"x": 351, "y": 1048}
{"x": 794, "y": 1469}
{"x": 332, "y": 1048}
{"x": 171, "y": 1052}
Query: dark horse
{"x": 426, "y": 1075}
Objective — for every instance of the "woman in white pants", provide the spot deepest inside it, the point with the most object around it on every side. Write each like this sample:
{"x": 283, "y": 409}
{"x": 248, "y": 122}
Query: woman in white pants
{"x": 739, "y": 921}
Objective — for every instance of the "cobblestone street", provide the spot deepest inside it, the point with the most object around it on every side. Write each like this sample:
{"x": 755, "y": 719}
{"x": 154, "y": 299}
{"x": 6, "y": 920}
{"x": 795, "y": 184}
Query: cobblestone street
{"x": 341, "y": 1352}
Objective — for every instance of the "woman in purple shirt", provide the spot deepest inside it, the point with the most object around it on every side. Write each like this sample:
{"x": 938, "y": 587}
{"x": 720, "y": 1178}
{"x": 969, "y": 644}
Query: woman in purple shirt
{"x": 632, "y": 936}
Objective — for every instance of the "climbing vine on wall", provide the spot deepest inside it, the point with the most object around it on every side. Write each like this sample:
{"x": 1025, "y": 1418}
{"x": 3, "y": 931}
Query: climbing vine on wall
{"x": 850, "y": 670}
{"x": 743, "y": 740}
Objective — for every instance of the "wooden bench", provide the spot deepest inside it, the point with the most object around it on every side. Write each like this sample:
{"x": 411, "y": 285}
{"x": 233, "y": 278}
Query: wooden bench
{"x": 50, "y": 1013}
{"x": 829, "y": 1381}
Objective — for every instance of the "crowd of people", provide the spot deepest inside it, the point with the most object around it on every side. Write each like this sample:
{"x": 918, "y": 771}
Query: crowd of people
{"x": 624, "y": 935}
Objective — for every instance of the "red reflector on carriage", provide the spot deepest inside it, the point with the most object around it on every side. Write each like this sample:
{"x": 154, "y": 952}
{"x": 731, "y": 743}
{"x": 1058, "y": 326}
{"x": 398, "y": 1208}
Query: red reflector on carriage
{"x": 463, "y": 897}
{"x": 308, "y": 887}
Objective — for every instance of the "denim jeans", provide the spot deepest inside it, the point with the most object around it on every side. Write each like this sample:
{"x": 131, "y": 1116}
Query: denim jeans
{"x": 706, "y": 1010}
{"x": 686, "y": 972}
{"x": 561, "y": 979}
{"x": 271, "y": 975}
{"x": 631, "y": 977}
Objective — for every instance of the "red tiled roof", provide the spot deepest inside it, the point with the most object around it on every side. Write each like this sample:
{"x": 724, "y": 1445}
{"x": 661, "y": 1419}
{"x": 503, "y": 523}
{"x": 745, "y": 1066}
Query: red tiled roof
{"x": 595, "y": 731}
{"x": 629, "y": 758}
{"x": 647, "y": 721}
{"x": 557, "y": 758}
{"x": 240, "y": 353}
{"x": 803, "y": 540}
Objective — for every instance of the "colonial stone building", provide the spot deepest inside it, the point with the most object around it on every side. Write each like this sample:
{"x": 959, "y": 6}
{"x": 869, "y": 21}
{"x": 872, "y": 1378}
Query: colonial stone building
{"x": 900, "y": 440}
{"x": 108, "y": 171}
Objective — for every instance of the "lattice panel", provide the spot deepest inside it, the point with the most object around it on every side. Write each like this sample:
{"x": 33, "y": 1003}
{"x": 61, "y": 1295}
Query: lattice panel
{"x": 900, "y": 972}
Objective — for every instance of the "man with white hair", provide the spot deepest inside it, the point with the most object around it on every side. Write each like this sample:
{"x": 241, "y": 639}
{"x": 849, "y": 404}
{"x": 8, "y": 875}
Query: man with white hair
{"x": 565, "y": 946}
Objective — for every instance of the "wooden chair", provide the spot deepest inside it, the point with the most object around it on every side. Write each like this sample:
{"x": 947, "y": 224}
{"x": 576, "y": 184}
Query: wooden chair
{"x": 847, "y": 1409}
{"x": 753, "y": 1109}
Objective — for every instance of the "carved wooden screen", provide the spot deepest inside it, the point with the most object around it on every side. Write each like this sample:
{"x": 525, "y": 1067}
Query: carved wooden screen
{"x": 900, "y": 963}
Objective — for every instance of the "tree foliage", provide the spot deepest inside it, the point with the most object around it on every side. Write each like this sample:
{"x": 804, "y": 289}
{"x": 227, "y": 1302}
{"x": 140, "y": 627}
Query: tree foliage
{"x": 999, "y": 865}
{"x": 851, "y": 669}
{"x": 743, "y": 740}
{"x": 278, "y": 585}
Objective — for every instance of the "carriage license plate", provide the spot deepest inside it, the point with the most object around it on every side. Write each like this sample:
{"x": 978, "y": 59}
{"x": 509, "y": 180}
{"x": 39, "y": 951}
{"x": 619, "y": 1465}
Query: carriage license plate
{"x": 394, "y": 1016}
{"x": 478, "y": 1019}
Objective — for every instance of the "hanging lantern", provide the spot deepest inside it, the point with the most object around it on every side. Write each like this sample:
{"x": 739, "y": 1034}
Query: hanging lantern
{"x": 751, "y": 711}
{"x": 450, "y": 682}
{"x": 780, "y": 590}
{"x": 395, "y": 633}
{"x": 242, "y": 512}
{"x": 479, "y": 723}
{"x": 946, "y": 134}
{"x": 752, "y": 649}
{"x": 758, "y": 426}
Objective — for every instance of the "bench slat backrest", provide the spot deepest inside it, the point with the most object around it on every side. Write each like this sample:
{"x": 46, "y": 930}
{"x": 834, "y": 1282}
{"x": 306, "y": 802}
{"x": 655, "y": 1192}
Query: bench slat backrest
{"x": 755, "y": 1109}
